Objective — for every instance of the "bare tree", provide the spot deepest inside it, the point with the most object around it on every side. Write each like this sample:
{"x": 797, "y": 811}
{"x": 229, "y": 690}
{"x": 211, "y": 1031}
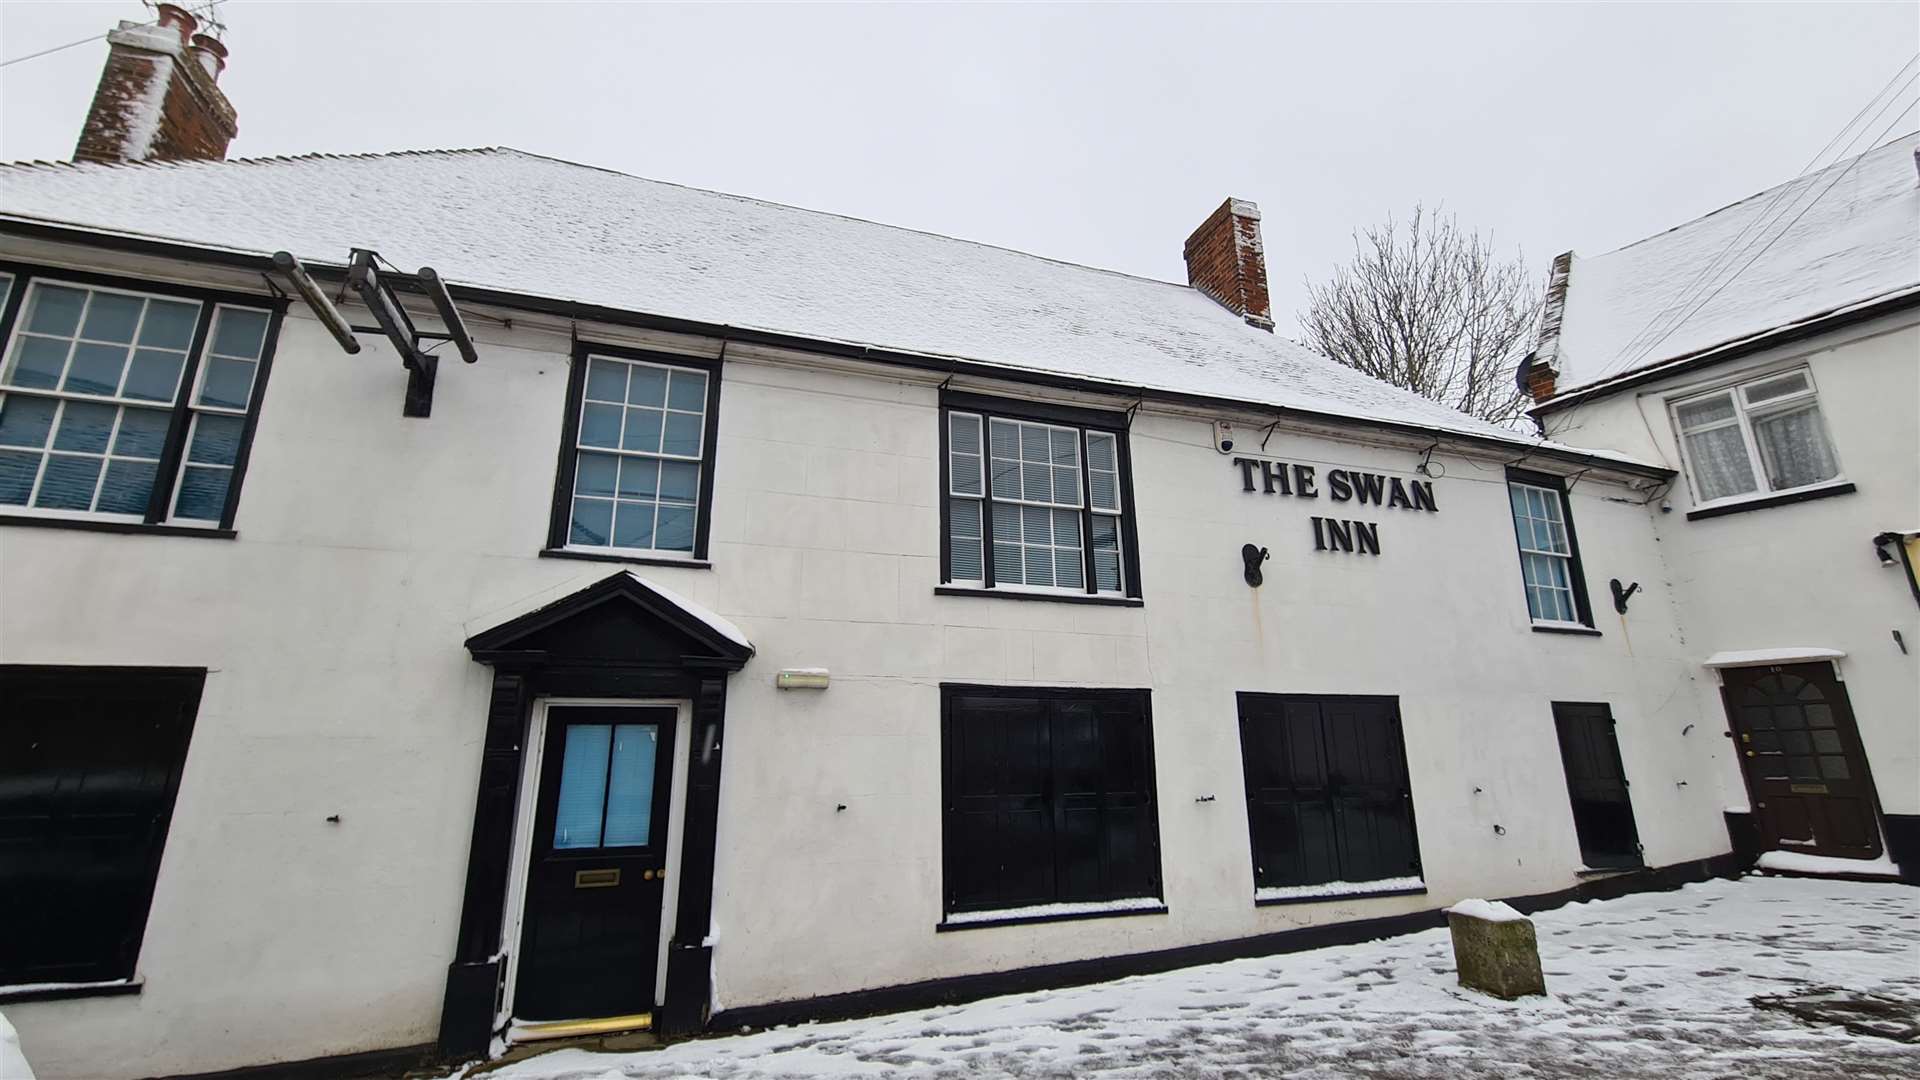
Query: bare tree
{"x": 1432, "y": 309}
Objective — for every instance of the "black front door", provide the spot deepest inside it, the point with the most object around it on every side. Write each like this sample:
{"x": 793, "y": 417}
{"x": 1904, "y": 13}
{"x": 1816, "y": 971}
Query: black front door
{"x": 1597, "y": 785}
{"x": 1801, "y": 753}
{"x": 597, "y": 875}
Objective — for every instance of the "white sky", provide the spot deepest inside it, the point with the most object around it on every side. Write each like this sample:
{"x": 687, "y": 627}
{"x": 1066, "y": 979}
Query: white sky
{"x": 1096, "y": 134}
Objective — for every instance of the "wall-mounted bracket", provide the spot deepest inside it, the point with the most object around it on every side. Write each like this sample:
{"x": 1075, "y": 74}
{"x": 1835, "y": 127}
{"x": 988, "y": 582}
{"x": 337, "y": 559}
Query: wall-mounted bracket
{"x": 1253, "y": 555}
{"x": 1621, "y": 595}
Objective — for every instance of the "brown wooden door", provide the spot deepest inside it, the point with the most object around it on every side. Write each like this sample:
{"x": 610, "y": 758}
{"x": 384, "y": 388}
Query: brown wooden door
{"x": 1800, "y": 751}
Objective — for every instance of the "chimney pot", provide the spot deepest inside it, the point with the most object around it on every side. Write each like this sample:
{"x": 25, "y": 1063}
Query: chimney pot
{"x": 1225, "y": 260}
{"x": 179, "y": 20}
{"x": 211, "y": 53}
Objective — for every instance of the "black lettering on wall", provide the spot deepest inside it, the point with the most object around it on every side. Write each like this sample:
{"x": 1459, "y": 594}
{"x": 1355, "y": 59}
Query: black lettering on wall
{"x": 1319, "y": 541}
{"x": 1368, "y": 486}
{"x": 1338, "y": 486}
{"x": 1397, "y": 495}
{"x": 1276, "y": 471}
{"x": 1246, "y": 473}
{"x": 1366, "y": 537}
{"x": 1303, "y": 481}
{"x": 1339, "y": 535}
{"x": 1423, "y": 496}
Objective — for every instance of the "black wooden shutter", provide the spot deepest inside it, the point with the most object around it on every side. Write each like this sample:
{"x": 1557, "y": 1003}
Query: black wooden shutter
{"x": 1328, "y": 797}
{"x": 1596, "y": 784}
{"x": 90, "y": 760}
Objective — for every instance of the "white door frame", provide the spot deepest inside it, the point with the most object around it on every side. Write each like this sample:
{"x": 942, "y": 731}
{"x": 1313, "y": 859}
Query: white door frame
{"x": 517, "y": 868}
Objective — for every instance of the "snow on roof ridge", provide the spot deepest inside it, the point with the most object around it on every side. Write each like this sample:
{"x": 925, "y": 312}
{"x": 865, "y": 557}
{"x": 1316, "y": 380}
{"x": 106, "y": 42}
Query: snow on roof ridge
{"x": 1804, "y": 177}
{"x": 264, "y": 159}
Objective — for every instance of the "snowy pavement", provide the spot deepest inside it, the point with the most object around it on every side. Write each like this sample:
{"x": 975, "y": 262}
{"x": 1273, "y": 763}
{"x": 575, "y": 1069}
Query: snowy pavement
{"x": 1655, "y": 985}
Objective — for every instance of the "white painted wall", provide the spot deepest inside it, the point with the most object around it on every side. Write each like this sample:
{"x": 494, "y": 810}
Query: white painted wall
{"x": 1803, "y": 574}
{"x": 371, "y": 545}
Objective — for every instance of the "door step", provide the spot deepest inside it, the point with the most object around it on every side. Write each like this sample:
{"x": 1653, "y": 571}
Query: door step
{"x": 573, "y": 1029}
{"x": 1801, "y": 864}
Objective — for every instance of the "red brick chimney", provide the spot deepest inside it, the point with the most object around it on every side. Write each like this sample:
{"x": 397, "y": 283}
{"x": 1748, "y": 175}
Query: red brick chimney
{"x": 1225, "y": 261}
{"x": 159, "y": 97}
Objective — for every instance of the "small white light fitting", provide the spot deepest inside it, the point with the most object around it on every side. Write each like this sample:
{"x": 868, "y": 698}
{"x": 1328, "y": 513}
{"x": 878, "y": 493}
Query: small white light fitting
{"x": 810, "y": 678}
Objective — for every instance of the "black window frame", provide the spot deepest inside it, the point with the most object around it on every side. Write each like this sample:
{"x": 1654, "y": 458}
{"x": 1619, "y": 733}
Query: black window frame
{"x": 560, "y": 520}
{"x": 1255, "y": 707}
{"x": 178, "y": 687}
{"x": 158, "y": 516}
{"x": 1139, "y": 701}
{"x": 1576, "y": 569}
{"x": 1106, "y": 422}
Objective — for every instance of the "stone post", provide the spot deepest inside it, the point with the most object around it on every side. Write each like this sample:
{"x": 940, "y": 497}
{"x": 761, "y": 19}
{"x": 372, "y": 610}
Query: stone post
{"x": 1495, "y": 949}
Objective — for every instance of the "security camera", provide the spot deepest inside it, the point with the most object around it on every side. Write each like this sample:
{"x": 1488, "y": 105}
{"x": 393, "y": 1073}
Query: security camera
{"x": 1223, "y": 436}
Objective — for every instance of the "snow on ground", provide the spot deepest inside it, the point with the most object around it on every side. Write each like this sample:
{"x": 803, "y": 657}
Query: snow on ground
{"x": 1655, "y": 985}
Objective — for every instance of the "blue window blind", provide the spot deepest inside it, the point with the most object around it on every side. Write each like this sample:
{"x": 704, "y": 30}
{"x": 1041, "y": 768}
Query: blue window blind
{"x": 606, "y": 786}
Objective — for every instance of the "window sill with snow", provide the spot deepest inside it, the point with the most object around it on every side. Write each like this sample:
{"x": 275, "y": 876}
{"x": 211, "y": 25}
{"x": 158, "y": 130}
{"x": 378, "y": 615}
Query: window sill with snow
{"x": 56, "y": 991}
{"x": 1058, "y": 596}
{"x": 1039, "y": 913}
{"x": 1338, "y": 890}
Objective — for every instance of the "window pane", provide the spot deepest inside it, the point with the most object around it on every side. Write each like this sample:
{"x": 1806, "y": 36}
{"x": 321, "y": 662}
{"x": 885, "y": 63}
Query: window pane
{"x": 606, "y": 380}
{"x": 1066, "y": 447}
{"x": 1038, "y": 483}
{"x": 68, "y": 483}
{"x": 583, "y": 786}
{"x": 154, "y": 376}
{"x": 1034, "y": 443}
{"x": 592, "y": 523}
{"x": 688, "y": 391}
{"x": 95, "y": 369}
{"x": 169, "y": 325}
{"x": 1006, "y": 438}
{"x": 85, "y": 426}
{"x": 226, "y": 383}
{"x": 1006, "y": 479}
{"x": 630, "y": 785}
{"x": 25, "y": 421}
{"x": 143, "y": 433}
{"x": 633, "y": 525}
{"x": 127, "y": 487}
{"x": 1039, "y": 562}
{"x": 216, "y": 439}
{"x": 647, "y": 386}
{"x": 643, "y": 431}
{"x": 679, "y": 481}
{"x": 1773, "y": 388}
{"x": 600, "y": 425}
{"x": 17, "y": 471}
{"x": 112, "y": 317}
{"x": 674, "y": 532}
{"x": 237, "y": 332}
{"x": 37, "y": 361}
{"x": 1106, "y": 553}
{"x": 1718, "y": 461}
{"x": 1713, "y": 409}
{"x": 1068, "y": 571}
{"x": 203, "y": 493}
{"x": 963, "y": 446}
{"x": 682, "y": 435}
{"x": 963, "y": 517}
{"x": 55, "y": 309}
{"x": 596, "y": 474}
{"x": 1066, "y": 485}
{"x": 1793, "y": 448}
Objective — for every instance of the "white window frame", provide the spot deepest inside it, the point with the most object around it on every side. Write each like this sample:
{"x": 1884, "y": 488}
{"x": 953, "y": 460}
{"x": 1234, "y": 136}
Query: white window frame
{"x": 1566, "y": 557}
{"x": 206, "y": 310}
{"x": 1082, "y": 506}
{"x": 1744, "y": 413}
{"x": 698, "y": 459}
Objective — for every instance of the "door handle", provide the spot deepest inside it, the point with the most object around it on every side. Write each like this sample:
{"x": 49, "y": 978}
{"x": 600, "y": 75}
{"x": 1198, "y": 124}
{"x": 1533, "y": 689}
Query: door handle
{"x": 653, "y": 875}
{"x": 1750, "y": 753}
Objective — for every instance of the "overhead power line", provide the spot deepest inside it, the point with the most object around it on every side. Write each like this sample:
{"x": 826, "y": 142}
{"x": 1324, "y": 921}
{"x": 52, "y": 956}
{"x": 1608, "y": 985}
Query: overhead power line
{"x": 196, "y": 11}
{"x": 1661, "y": 325}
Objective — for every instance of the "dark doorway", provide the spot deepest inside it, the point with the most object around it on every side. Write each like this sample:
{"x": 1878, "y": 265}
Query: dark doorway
{"x": 1327, "y": 792}
{"x": 1597, "y": 785}
{"x": 90, "y": 759}
{"x": 596, "y": 880}
{"x": 1801, "y": 754}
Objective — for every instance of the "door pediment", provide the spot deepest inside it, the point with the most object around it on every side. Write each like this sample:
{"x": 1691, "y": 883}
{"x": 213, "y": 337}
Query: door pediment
{"x": 620, "y": 620}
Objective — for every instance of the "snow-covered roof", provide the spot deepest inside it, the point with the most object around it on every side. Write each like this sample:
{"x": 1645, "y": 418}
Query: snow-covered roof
{"x": 516, "y": 222}
{"x": 1828, "y": 240}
